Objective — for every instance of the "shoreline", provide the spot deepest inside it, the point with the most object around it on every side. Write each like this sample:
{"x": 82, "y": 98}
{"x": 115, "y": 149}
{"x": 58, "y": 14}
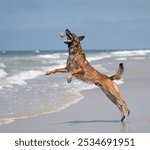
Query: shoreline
{"x": 71, "y": 116}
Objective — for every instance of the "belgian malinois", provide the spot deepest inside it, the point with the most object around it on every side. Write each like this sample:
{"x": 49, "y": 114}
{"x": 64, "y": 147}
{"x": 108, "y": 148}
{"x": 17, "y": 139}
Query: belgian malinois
{"x": 78, "y": 66}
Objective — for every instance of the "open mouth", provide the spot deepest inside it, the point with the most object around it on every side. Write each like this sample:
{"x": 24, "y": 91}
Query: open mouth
{"x": 69, "y": 36}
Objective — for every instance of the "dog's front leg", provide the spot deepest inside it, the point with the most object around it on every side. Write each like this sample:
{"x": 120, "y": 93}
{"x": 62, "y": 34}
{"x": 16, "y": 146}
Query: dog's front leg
{"x": 56, "y": 70}
{"x": 72, "y": 73}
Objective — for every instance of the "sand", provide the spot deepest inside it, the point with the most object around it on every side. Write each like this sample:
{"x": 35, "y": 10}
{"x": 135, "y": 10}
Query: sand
{"x": 95, "y": 113}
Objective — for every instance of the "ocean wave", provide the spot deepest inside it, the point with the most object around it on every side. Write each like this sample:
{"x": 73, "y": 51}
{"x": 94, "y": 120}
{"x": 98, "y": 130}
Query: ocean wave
{"x": 48, "y": 56}
{"x": 20, "y": 79}
{"x": 81, "y": 86}
{"x": 6, "y": 120}
{"x": 139, "y": 58}
{"x": 118, "y": 82}
{"x": 3, "y": 73}
{"x": 3, "y": 52}
{"x": 122, "y": 58}
{"x": 2, "y": 65}
{"x": 127, "y": 53}
{"x": 37, "y": 51}
{"x": 52, "y": 56}
{"x": 96, "y": 58}
{"x": 55, "y": 63}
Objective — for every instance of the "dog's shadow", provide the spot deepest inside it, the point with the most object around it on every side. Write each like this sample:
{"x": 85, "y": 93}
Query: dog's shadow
{"x": 76, "y": 122}
{"x": 123, "y": 127}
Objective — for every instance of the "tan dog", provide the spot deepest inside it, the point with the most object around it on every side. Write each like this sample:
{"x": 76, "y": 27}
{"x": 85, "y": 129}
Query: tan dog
{"x": 78, "y": 66}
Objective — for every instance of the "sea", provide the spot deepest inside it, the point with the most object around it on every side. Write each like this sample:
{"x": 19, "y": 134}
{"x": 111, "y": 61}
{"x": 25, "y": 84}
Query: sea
{"x": 25, "y": 90}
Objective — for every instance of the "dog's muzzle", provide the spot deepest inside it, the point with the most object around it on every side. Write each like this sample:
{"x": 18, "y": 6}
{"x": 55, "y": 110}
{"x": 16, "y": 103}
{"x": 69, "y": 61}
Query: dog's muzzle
{"x": 69, "y": 36}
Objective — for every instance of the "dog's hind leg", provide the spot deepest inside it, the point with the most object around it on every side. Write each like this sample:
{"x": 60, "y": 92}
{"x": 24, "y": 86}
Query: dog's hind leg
{"x": 114, "y": 100}
{"x": 115, "y": 92}
{"x": 118, "y": 96}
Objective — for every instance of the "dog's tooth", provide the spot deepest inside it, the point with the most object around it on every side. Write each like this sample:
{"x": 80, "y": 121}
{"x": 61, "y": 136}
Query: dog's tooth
{"x": 69, "y": 40}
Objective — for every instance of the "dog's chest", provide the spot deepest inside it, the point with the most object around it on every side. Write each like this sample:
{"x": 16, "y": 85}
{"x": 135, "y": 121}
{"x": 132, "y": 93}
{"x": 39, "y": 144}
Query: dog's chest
{"x": 72, "y": 63}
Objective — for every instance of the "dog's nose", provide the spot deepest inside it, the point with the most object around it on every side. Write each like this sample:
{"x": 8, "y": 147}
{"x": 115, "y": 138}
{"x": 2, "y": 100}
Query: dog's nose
{"x": 67, "y": 31}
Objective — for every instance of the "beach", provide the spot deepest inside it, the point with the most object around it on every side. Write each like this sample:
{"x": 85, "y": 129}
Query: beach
{"x": 91, "y": 111}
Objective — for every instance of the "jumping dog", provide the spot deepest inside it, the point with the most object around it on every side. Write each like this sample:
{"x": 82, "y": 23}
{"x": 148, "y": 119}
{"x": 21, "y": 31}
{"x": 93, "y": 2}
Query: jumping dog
{"x": 78, "y": 66}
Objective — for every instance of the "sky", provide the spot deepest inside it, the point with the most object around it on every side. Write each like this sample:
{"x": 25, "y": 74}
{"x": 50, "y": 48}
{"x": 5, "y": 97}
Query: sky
{"x": 106, "y": 24}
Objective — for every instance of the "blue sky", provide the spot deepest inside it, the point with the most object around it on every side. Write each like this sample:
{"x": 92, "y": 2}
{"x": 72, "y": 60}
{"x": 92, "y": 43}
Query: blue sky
{"x": 106, "y": 24}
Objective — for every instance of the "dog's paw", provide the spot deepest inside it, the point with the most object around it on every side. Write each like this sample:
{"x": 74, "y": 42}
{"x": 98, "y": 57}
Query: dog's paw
{"x": 122, "y": 118}
{"x": 69, "y": 80}
{"x": 50, "y": 72}
{"x": 47, "y": 73}
{"x": 128, "y": 112}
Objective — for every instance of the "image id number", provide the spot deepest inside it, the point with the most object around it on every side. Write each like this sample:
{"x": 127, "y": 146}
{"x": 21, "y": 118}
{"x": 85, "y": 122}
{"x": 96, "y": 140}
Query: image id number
{"x": 106, "y": 142}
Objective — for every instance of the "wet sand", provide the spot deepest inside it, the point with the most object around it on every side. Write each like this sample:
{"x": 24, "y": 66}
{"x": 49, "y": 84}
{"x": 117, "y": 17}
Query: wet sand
{"x": 95, "y": 113}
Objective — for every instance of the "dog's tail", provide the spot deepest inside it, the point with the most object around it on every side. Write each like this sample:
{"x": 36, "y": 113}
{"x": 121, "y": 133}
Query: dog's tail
{"x": 119, "y": 73}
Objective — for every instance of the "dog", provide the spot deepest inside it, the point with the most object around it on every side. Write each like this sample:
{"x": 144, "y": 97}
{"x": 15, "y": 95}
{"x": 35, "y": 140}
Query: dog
{"x": 77, "y": 65}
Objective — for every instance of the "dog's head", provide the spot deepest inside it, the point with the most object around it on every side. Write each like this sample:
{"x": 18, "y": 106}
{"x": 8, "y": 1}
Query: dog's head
{"x": 73, "y": 41}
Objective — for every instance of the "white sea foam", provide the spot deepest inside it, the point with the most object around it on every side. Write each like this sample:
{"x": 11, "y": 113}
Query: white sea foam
{"x": 131, "y": 53}
{"x": 55, "y": 64}
{"x": 5, "y": 85}
{"x": 102, "y": 69}
{"x": 6, "y": 120}
{"x": 52, "y": 56}
{"x": 119, "y": 81}
{"x": 2, "y": 65}
{"x": 96, "y": 58}
{"x": 20, "y": 79}
{"x": 48, "y": 56}
{"x": 139, "y": 58}
{"x": 122, "y": 58}
{"x": 3, "y": 73}
{"x": 37, "y": 51}
{"x": 3, "y": 52}
{"x": 80, "y": 85}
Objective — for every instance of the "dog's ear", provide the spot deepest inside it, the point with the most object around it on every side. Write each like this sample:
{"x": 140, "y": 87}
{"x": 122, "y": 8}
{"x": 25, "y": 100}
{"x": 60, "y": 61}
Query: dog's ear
{"x": 81, "y": 37}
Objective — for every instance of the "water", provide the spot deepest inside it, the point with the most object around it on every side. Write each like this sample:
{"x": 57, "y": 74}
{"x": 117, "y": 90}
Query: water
{"x": 26, "y": 92}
